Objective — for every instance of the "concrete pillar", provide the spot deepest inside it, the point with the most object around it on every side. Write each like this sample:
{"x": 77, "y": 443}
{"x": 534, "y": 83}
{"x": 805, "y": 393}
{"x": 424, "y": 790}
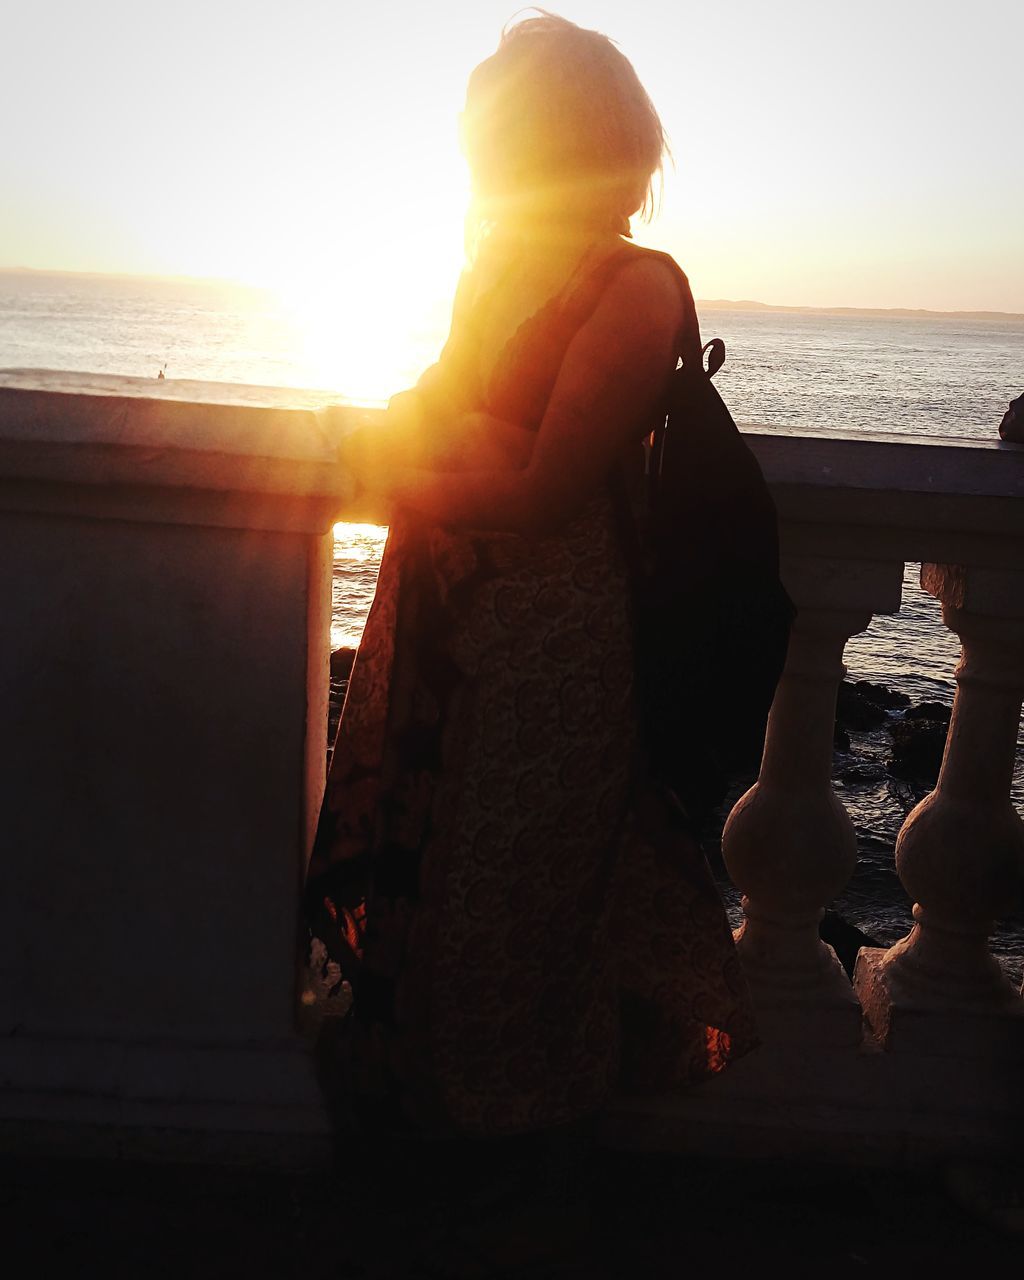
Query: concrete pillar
{"x": 164, "y": 672}
{"x": 960, "y": 854}
{"x": 789, "y": 844}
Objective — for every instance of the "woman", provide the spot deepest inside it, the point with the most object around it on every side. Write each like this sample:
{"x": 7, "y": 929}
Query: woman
{"x": 525, "y": 924}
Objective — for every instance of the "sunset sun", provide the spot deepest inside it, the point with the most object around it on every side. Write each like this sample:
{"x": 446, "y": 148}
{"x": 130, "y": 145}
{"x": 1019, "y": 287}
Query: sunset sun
{"x": 369, "y": 298}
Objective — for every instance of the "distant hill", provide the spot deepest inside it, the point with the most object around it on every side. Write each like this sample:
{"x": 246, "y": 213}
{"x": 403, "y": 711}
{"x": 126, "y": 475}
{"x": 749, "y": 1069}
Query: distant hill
{"x": 706, "y": 304}
{"x": 727, "y": 304}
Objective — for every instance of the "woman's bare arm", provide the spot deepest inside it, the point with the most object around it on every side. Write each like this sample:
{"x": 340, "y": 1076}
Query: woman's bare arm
{"x": 419, "y": 426}
{"x": 447, "y": 388}
{"x": 614, "y": 372}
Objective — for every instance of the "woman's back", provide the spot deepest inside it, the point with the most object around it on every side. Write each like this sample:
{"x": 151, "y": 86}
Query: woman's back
{"x": 524, "y": 919}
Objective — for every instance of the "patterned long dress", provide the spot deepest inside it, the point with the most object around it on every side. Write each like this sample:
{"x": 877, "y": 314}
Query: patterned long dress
{"x": 525, "y": 924}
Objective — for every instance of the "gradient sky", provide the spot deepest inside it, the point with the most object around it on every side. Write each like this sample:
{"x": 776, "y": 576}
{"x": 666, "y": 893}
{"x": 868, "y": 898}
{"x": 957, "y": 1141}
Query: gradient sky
{"x": 828, "y": 154}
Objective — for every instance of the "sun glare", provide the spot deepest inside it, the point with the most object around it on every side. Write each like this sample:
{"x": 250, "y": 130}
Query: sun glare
{"x": 340, "y": 323}
{"x": 370, "y": 301}
{"x": 359, "y": 542}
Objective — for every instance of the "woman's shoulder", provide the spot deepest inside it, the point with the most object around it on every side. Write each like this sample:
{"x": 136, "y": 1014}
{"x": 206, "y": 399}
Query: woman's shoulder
{"x": 635, "y": 281}
{"x": 650, "y": 268}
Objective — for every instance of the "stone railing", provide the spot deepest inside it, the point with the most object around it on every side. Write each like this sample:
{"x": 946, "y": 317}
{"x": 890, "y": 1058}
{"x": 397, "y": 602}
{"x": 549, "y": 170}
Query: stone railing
{"x": 166, "y": 564}
{"x": 921, "y": 1053}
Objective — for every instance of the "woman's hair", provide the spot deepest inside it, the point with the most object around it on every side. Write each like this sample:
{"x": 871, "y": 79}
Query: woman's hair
{"x": 557, "y": 121}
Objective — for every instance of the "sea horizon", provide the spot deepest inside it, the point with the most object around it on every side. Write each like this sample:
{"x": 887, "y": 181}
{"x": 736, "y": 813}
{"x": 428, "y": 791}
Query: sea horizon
{"x": 723, "y": 304}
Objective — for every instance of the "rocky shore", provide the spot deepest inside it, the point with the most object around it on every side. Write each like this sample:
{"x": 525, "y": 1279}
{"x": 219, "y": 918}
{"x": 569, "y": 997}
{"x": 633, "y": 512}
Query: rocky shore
{"x": 917, "y": 734}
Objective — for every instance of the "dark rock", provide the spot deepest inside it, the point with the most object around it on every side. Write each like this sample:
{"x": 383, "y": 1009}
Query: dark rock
{"x": 341, "y": 663}
{"x": 929, "y": 711}
{"x": 1012, "y": 425}
{"x": 917, "y": 747}
{"x": 845, "y": 938}
{"x": 863, "y": 705}
{"x": 855, "y": 711}
{"x": 840, "y": 739}
{"x": 881, "y": 695}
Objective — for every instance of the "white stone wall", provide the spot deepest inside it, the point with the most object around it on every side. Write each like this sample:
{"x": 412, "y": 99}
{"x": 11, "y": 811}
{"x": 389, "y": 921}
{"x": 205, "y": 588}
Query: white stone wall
{"x": 164, "y": 664}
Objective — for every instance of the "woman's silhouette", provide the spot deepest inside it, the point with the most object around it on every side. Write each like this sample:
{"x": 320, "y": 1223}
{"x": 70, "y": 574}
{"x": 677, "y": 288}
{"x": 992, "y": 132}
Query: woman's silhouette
{"x": 525, "y": 925}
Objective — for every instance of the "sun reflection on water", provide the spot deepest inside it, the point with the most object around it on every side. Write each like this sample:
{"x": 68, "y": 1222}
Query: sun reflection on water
{"x": 357, "y": 552}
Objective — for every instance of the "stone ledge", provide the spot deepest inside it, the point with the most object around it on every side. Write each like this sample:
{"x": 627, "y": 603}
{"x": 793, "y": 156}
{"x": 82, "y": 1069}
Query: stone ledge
{"x": 162, "y": 1073}
{"x": 270, "y": 1139}
{"x": 909, "y": 1022}
{"x": 89, "y": 430}
{"x": 830, "y": 1106}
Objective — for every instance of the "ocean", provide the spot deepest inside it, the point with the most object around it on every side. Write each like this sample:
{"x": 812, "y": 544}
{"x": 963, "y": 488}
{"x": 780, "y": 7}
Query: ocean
{"x": 929, "y": 375}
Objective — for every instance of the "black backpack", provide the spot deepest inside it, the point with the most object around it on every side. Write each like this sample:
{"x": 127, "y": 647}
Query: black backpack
{"x": 712, "y": 616}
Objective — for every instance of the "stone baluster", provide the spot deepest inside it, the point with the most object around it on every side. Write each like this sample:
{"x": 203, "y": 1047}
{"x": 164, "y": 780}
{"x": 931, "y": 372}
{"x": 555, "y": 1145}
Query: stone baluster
{"x": 960, "y": 854}
{"x": 789, "y": 844}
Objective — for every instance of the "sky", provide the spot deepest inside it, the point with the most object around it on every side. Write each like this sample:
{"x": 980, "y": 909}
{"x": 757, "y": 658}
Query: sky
{"x": 825, "y": 154}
